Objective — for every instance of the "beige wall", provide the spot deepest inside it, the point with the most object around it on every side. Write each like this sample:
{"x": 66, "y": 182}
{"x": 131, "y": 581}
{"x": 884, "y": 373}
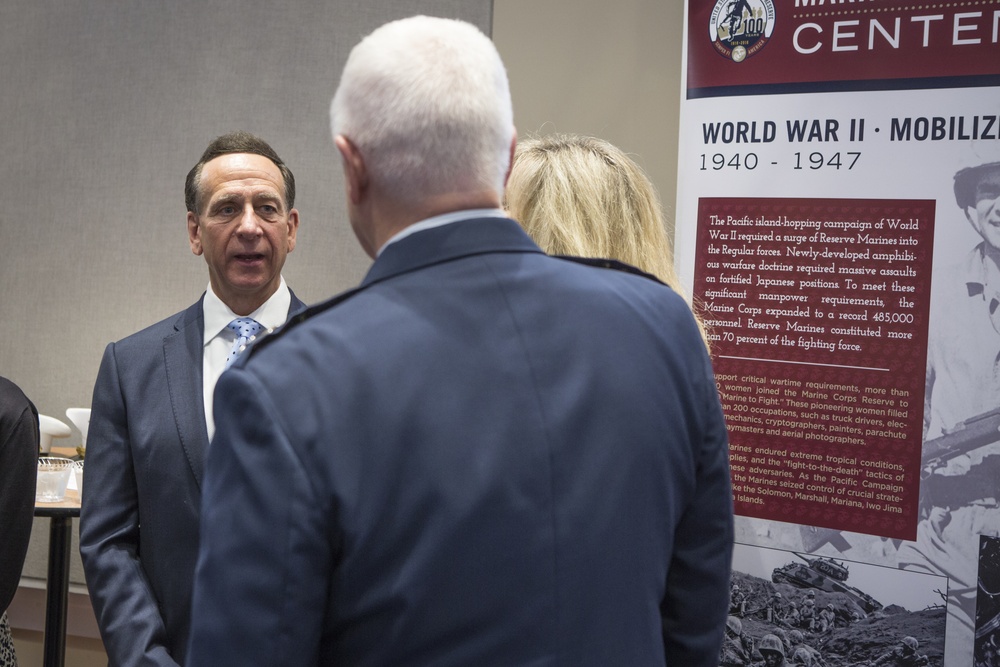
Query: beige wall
{"x": 593, "y": 67}
{"x": 608, "y": 69}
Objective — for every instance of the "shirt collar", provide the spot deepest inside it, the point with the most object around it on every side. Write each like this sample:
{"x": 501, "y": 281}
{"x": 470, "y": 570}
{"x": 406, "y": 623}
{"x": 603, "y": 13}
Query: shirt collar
{"x": 981, "y": 272}
{"x": 441, "y": 220}
{"x": 272, "y": 313}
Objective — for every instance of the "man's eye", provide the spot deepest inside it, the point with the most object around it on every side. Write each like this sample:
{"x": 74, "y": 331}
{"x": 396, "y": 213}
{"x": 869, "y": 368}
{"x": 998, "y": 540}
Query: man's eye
{"x": 268, "y": 208}
{"x": 227, "y": 210}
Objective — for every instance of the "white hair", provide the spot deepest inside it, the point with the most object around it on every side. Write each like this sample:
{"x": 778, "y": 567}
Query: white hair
{"x": 427, "y": 103}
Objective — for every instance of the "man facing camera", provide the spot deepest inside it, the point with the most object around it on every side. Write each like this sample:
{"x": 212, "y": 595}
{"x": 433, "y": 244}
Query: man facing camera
{"x": 960, "y": 488}
{"x": 482, "y": 455}
{"x": 963, "y": 372}
{"x": 151, "y": 418}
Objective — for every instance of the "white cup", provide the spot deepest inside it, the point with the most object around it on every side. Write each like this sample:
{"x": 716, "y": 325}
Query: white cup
{"x": 78, "y": 473}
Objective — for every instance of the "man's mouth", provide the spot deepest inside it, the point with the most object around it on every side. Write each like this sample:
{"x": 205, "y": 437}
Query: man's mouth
{"x": 249, "y": 258}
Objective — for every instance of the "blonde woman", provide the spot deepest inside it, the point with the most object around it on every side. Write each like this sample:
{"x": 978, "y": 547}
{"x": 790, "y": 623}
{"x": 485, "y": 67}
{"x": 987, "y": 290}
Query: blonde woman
{"x": 583, "y": 196}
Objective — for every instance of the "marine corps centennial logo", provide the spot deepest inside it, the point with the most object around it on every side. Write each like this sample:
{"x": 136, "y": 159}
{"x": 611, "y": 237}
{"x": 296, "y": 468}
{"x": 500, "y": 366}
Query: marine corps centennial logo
{"x": 741, "y": 28}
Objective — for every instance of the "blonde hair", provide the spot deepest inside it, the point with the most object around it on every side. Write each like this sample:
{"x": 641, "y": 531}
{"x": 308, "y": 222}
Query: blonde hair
{"x": 583, "y": 196}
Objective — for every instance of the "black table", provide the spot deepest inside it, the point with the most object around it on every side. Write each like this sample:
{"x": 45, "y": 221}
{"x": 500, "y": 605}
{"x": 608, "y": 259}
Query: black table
{"x": 61, "y": 516}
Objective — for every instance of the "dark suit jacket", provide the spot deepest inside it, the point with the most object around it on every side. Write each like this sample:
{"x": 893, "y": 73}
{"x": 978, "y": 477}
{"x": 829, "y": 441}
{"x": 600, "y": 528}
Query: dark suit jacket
{"x": 484, "y": 456}
{"x": 146, "y": 448}
{"x": 18, "y": 467}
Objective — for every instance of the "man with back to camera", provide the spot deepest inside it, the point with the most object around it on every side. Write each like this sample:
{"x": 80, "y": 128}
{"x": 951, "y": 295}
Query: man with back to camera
{"x": 481, "y": 456}
{"x": 151, "y": 419}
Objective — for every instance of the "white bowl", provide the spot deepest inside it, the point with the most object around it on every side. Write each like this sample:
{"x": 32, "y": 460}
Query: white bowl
{"x": 48, "y": 428}
{"x": 53, "y": 479}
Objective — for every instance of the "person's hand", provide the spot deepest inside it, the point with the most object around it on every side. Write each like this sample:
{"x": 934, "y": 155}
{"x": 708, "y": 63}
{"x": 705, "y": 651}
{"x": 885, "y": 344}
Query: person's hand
{"x": 939, "y": 519}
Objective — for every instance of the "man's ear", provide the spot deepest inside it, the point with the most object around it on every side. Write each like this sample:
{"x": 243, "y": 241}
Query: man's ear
{"x": 355, "y": 170}
{"x": 510, "y": 163}
{"x": 194, "y": 234}
{"x": 293, "y": 228}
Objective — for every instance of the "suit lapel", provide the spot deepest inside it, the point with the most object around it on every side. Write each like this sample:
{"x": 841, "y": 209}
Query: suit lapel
{"x": 296, "y": 305}
{"x": 182, "y": 353}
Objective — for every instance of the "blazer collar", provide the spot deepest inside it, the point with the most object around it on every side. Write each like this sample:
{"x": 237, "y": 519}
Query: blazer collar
{"x": 475, "y": 236}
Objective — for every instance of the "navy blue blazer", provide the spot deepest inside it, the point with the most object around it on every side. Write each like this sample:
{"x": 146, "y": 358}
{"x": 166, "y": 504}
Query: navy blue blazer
{"x": 146, "y": 448}
{"x": 483, "y": 456}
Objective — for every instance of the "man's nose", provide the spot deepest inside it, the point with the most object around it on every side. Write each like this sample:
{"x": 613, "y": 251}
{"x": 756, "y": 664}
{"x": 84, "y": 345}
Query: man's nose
{"x": 249, "y": 222}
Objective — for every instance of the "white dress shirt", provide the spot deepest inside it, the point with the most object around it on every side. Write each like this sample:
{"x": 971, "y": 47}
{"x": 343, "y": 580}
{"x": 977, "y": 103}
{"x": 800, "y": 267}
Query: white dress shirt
{"x": 219, "y": 338}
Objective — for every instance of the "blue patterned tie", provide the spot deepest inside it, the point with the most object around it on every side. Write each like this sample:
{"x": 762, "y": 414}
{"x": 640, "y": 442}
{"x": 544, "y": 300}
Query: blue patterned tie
{"x": 246, "y": 330}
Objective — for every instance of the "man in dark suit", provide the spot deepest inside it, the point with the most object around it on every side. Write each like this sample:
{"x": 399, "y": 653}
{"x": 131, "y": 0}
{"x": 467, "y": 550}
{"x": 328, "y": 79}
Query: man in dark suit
{"x": 481, "y": 456}
{"x": 151, "y": 419}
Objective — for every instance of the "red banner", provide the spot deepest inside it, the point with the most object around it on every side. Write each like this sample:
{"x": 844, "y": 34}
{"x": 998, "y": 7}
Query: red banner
{"x": 817, "y": 312}
{"x": 736, "y": 46}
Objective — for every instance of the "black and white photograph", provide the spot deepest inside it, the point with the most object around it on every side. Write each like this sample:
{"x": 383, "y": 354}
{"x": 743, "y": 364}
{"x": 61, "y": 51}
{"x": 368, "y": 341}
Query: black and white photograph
{"x": 819, "y": 610}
